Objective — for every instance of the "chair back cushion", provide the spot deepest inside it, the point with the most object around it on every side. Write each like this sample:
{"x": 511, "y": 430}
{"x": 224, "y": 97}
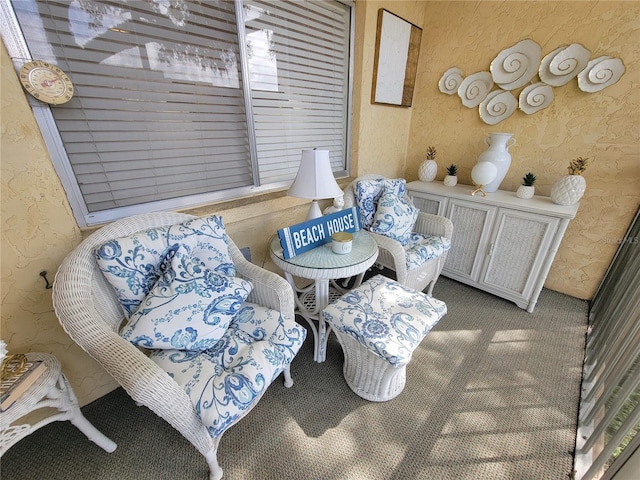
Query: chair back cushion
{"x": 133, "y": 264}
{"x": 368, "y": 192}
{"x": 395, "y": 217}
{"x": 189, "y": 308}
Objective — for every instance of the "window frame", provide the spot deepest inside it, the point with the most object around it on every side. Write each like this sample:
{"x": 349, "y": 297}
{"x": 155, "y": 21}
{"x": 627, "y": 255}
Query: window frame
{"x": 19, "y": 53}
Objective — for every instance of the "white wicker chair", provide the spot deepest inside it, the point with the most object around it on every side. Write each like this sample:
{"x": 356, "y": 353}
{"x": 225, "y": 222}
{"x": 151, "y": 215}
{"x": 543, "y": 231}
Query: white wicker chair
{"x": 392, "y": 253}
{"x": 90, "y": 313}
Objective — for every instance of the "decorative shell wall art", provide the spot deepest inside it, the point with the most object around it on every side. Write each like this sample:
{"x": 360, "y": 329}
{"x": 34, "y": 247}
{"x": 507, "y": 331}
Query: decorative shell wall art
{"x": 474, "y": 89}
{"x": 535, "y": 97}
{"x": 516, "y": 66}
{"x": 450, "y": 81}
{"x": 600, "y": 73}
{"x": 497, "y": 106}
{"x": 563, "y": 64}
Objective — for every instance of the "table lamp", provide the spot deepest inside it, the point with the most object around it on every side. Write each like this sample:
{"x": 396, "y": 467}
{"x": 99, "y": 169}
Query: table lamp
{"x": 315, "y": 180}
{"x": 483, "y": 174}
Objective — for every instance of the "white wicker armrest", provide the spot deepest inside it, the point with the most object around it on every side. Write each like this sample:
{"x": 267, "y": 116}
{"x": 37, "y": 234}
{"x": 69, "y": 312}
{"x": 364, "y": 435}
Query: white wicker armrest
{"x": 429, "y": 224}
{"x": 269, "y": 288}
{"x": 392, "y": 255}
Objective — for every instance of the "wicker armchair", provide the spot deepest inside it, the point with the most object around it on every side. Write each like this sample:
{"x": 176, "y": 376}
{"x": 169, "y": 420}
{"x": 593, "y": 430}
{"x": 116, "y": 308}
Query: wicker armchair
{"x": 393, "y": 255}
{"x": 90, "y": 313}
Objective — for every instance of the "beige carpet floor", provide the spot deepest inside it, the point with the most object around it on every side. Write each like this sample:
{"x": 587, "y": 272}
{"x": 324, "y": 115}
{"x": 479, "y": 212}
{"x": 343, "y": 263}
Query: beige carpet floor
{"x": 492, "y": 393}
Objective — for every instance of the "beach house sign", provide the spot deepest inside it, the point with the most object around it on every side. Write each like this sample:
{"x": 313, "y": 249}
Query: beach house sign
{"x": 308, "y": 235}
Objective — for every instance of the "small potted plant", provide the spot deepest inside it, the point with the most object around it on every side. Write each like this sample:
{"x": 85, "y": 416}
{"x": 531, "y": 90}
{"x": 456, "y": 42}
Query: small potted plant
{"x": 429, "y": 168}
{"x": 527, "y": 190}
{"x": 451, "y": 180}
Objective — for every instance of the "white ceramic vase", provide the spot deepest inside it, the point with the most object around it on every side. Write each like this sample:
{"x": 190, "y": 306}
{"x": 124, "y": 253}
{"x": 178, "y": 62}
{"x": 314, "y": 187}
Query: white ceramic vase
{"x": 451, "y": 180}
{"x": 568, "y": 190}
{"x": 428, "y": 171}
{"x": 498, "y": 154}
{"x": 525, "y": 191}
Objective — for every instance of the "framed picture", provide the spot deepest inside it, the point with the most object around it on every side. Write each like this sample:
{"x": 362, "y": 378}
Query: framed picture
{"x": 396, "y": 60}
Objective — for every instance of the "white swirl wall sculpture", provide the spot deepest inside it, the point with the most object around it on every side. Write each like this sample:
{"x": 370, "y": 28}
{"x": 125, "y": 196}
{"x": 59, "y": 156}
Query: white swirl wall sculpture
{"x": 516, "y": 66}
{"x": 600, "y": 73}
{"x": 535, "y": 97}
{"x": 498, "y": 105}
{"x": 450, "y": 81}
{"x": 563, "y": 64}
{"x": 474, "y": 89}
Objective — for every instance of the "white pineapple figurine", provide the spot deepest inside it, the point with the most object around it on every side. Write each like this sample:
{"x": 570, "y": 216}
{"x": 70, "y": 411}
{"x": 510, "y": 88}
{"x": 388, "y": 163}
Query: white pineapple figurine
{"x": 429, "y": 168}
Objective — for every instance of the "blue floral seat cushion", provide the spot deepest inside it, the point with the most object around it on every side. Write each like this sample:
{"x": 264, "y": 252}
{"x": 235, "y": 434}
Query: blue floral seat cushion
{"x": 385, "y": 317}
{"x": 133, "y": 265}
{"x": 395, "y": 217}
{"x": 226, "y": 381}
{"x": 189, "y": 307}
{"x": 421, "y": 248}
{"x": 368, "y": 192}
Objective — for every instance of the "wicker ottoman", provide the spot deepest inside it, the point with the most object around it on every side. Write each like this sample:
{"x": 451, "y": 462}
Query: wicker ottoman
{"x": 379, "y": 325}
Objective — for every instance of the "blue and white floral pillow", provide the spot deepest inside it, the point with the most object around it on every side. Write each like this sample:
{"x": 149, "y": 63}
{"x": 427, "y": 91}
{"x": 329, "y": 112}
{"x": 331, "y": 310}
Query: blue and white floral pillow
{"x": 189, "y": 308}
{"x": 395, "y": 217}
{"x": 132, "y": 265}
{"x": 367, "y": 193}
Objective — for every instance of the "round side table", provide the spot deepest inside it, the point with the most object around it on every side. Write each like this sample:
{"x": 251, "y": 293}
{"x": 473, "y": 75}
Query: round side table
{"x": 324, "y": 267}
{"x": 51, "y": 390}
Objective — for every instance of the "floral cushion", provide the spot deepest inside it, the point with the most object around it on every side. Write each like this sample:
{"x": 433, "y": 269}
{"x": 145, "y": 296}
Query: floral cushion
{"x": 395, "y": 217}
{"x": 367, "y": 193}
{"x": 421, "y": 248}
{"x": 226, "y": 381}
{"x": 189, "y": 307}
{"x": 132, "y": 265}
{"x": 387, "y": 318}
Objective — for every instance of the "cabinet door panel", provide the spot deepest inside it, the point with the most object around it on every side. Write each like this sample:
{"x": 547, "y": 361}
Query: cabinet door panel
{"x": 427, "y": 203}
{"x": 471, "y": 229}
{"x": 518, "y": 248}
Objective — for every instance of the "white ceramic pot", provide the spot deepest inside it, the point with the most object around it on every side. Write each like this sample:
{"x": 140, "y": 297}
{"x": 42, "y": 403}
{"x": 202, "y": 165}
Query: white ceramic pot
{"x": 568, "y": 190}
{"x": 498, "y": 154}
{"x": 525, "y": 191}
{"x": 428, "y": 171}
{"x": 451, "y": 180}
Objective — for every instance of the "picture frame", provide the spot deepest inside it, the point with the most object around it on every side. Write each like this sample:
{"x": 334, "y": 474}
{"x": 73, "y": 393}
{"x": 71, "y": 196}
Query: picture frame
{"x": 396, "y": 60}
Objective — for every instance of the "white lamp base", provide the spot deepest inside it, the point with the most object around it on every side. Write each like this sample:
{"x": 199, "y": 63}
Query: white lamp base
{"x": 314, "y": 211}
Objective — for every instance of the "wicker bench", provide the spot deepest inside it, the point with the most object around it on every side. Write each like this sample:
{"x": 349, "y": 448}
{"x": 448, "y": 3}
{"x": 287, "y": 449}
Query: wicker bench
{"x": 379, "y": 324}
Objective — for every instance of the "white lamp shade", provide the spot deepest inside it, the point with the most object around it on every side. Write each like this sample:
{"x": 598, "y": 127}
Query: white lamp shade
{"x": 315, "y": 179}
{"x": 484, "y": 173}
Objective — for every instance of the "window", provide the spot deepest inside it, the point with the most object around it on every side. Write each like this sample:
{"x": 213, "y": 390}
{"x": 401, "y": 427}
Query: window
{"x": 185, "y": 102}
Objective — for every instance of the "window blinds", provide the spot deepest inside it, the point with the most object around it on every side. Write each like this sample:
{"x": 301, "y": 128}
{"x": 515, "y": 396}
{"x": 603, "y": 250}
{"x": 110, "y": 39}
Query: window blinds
{"x": 299, "y": 71}
{"x": 159, "y": 110}
{"x": 160, "y": 113}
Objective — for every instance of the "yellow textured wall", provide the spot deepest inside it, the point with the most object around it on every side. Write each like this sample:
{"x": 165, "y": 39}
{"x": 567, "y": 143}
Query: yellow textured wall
{"x": 380, "y": 133}
{"x": 38, "y": 230}
{"x": 603, "y": 126}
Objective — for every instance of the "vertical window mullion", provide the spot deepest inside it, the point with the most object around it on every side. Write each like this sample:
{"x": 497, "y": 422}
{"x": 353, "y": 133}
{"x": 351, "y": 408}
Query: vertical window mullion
{"x": 246, "y": 90}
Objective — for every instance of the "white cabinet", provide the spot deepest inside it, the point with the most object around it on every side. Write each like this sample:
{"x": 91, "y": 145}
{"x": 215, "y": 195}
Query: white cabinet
{"x": 502, "y": 244}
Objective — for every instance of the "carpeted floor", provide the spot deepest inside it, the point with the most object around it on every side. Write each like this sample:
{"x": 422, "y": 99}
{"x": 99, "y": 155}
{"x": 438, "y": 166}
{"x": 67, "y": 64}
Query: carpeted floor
{"x": 492, "y": 393}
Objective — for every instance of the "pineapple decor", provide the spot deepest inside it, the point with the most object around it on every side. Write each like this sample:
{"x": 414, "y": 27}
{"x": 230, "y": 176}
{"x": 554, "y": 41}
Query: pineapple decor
{"x": 429, "y": 168}
{"x": 570, "y": 188}
{"x": 451, "y": 180}
{"x": 527, "y": 190}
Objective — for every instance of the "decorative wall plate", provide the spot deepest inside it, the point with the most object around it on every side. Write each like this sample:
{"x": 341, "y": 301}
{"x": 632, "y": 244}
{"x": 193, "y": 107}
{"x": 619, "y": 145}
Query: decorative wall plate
{"x": 563, "y": 64}
{"x": 535, "y": 97}
{"x": 474, "y": 89}
{"x": 600, "y": 73}
{"x": 497, "y": 106}
{"x": 451, "y": 80}
{"x": 516, "y": 66}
